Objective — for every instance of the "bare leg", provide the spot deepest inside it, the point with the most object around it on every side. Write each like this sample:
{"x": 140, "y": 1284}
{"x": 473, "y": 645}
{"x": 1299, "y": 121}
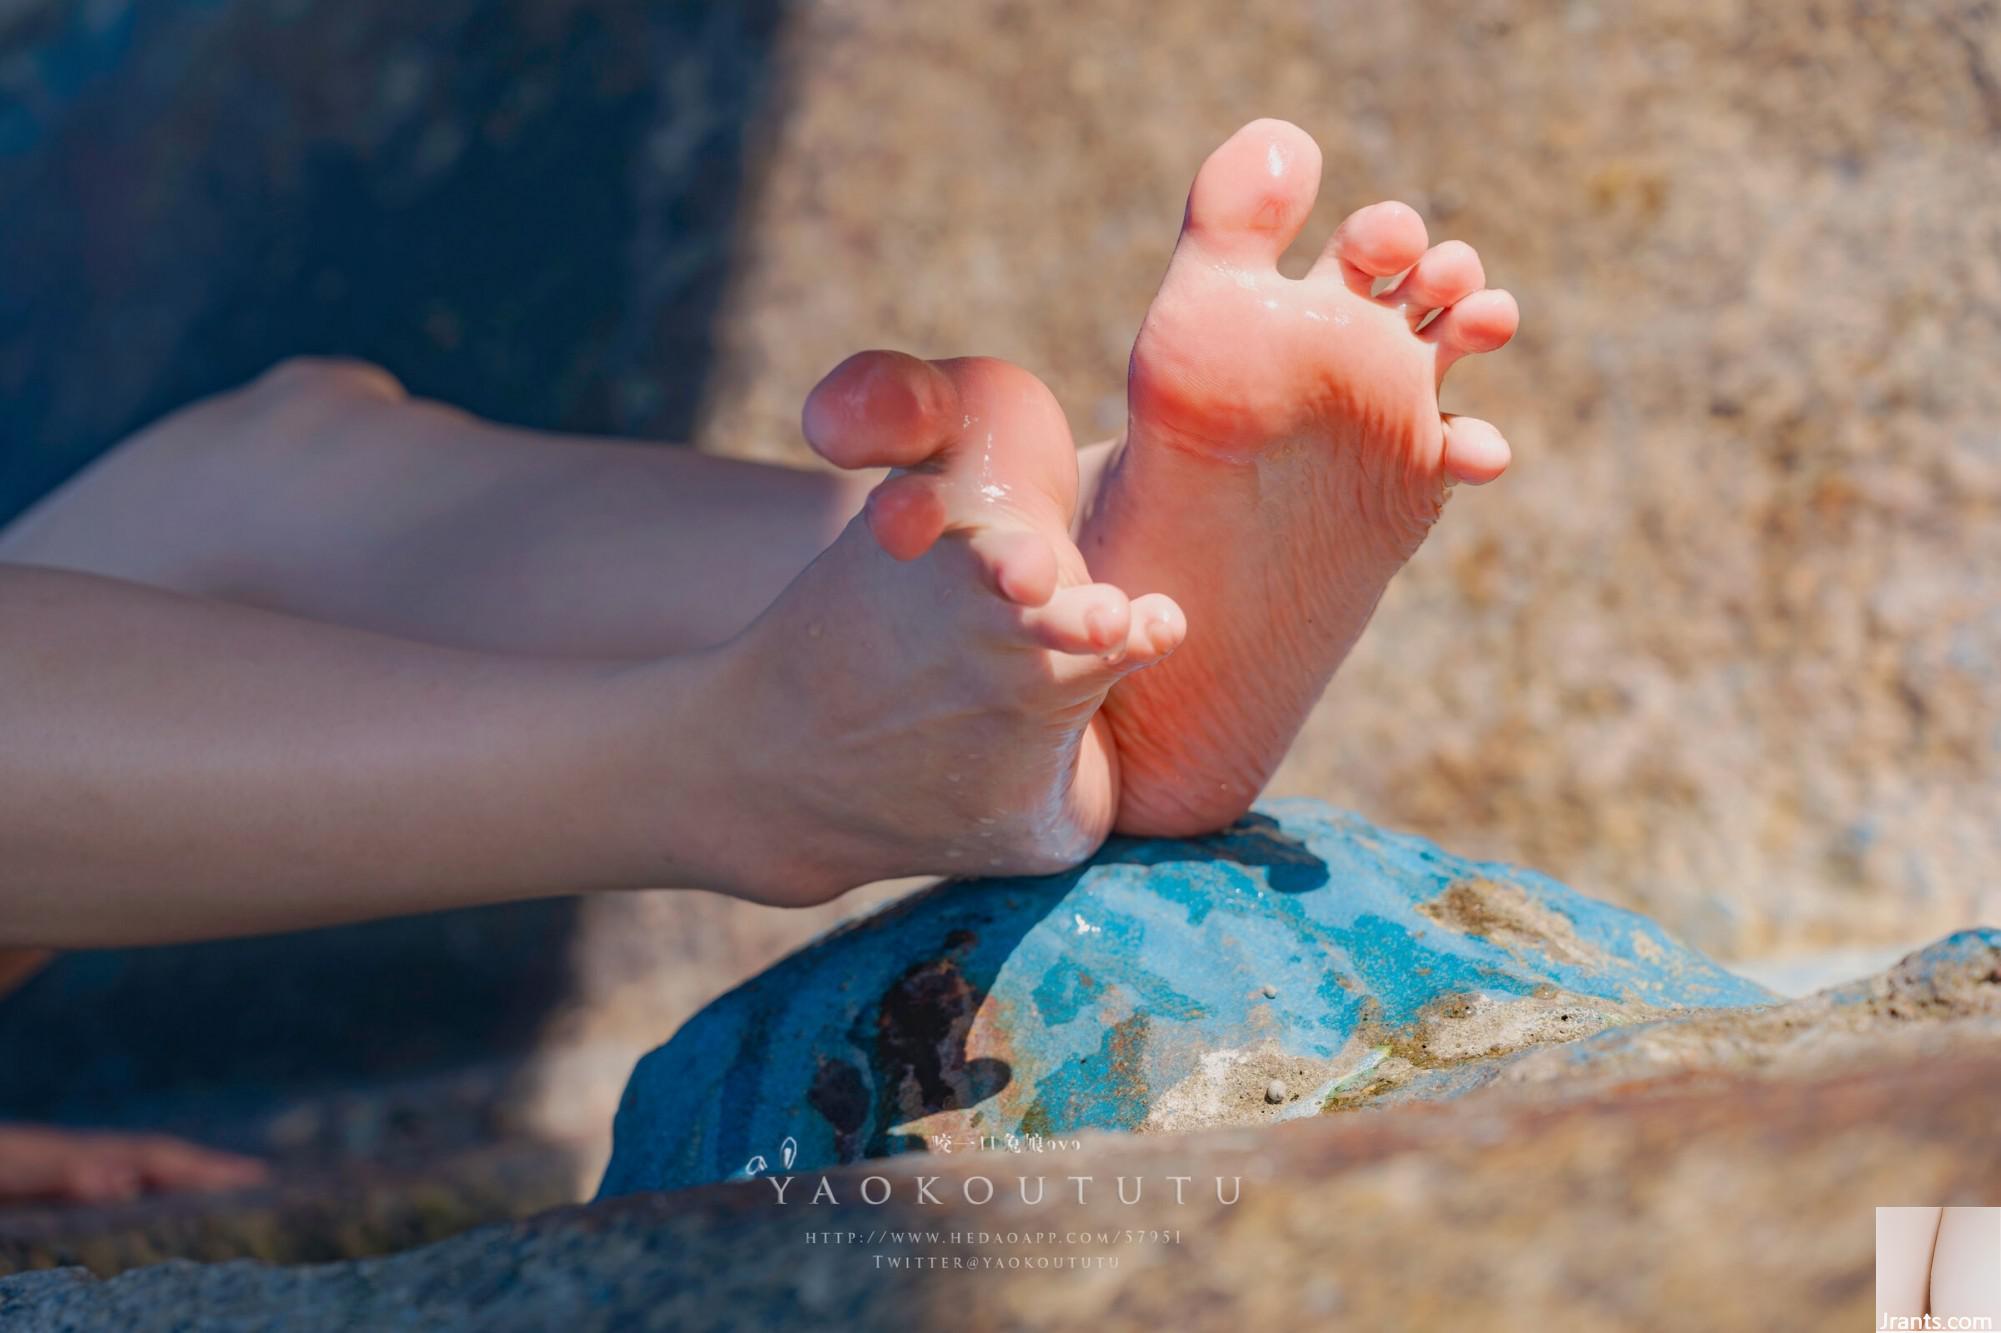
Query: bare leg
{"x": 324, "y": 491}
{"x": 175, "y": 767}
{"x": 222, "y": 493}
{"x": 288, "y": 772}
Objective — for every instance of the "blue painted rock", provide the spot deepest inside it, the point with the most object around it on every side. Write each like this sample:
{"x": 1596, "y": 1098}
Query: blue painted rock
{"x": 1301, "y": 962}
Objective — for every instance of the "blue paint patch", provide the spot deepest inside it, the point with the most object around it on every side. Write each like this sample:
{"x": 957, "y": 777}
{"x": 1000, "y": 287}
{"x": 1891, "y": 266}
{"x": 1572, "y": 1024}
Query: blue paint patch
{"x": 1064, "y": 989}
{"x": 1076, "y": 1001}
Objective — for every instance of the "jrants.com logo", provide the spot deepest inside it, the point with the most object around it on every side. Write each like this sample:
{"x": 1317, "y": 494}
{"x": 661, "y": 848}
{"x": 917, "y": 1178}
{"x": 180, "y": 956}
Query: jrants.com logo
{"x": 1938, "y": 1268}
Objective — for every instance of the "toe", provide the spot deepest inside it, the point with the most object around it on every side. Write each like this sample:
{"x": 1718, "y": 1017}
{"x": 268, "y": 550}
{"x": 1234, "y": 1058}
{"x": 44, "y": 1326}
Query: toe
{"x": 881, "y": 409}
{"x": 985, "y": 442}
{"x": 1253, "y": 194}
{"x": 1094, "y": 618}
{"x": 1448, "y": 273}
{"x": 1157, "y": 629}
{"x": 1018, "y": 563}
{"x": 1475, "y": 452}
{"x": 1480, "y": 323}
{"x": 906, "y": 514}
{"x": 1379, "y": 241}
{"x": 1104, "y": 637}
{"x": 1012, "y": 449}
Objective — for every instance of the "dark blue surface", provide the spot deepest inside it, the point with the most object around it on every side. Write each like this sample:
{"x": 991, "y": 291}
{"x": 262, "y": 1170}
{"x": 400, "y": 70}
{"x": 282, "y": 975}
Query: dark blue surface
{"x": 527, "y": 209}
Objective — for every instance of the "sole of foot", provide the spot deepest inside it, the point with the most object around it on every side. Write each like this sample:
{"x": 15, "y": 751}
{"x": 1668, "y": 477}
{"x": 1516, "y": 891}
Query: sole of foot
{"x": 1285, "y": 454}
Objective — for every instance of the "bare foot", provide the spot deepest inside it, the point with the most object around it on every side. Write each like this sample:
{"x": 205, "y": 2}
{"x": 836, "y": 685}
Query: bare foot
{"x": 929, "y": 688}
{"x": 41, "y": 1164}
{"x": 1284, "y": 456}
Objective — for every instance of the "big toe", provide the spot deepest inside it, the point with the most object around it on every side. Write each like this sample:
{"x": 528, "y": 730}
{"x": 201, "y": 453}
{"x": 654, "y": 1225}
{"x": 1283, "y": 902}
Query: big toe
{"x": 1014, "y": 448}
{"x": 881, "y": 409}
{"x": 1253, "y": 194}
{"x": 979, "y": 443}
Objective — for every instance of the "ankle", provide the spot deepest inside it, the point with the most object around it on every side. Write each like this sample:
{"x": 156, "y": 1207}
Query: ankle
{"x": 664, "y": 781}
{"x": 697, "y": 754}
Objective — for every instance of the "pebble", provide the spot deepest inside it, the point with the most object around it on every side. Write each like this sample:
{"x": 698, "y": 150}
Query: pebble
{"x": 1271, "y": 991}
{"x": 1275, "y": 1091}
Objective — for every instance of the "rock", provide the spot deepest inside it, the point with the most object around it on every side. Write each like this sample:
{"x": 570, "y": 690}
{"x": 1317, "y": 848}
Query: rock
{"x": 305, "y": 1215}
{"x": 407, "y": 1078}
{"x": 1700, "y": 1158}
{"x": 1941, "y": 1003}
{"x": 1126, "y": 995}
{"x": 1731, "y": 1203}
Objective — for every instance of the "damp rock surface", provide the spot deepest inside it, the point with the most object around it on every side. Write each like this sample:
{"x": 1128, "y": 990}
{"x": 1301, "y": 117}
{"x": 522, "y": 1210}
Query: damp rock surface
{"x": 1167, "y": 985}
